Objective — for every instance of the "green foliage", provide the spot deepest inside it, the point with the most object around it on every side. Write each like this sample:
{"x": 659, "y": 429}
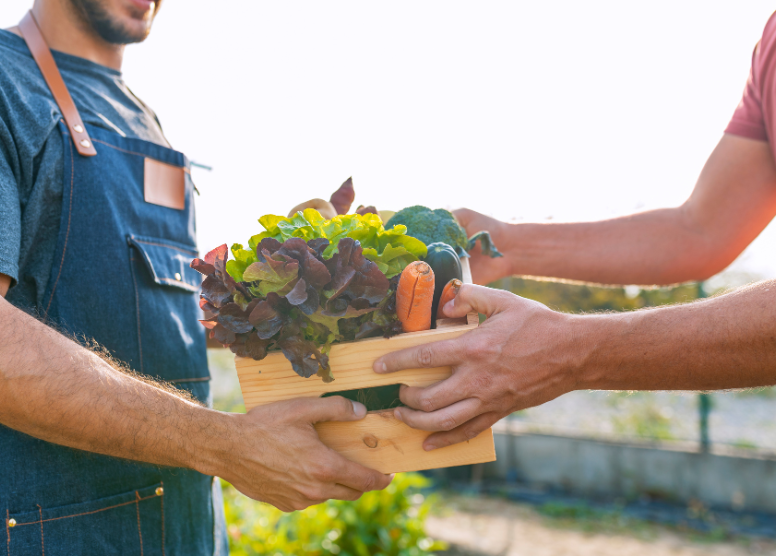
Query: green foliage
{"x": 583, "y": 298}
{"x": 744, "y": 444}
{"x": 382, "y": 523}
{"x": 645, "y": 420}
{"x": 391, "y": 249}
{"x": 641, "y": 414}
{"x": 570, "y": 510}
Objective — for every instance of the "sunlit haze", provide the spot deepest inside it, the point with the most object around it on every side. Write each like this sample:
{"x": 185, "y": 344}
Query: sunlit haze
{"x": 523, "y": 110}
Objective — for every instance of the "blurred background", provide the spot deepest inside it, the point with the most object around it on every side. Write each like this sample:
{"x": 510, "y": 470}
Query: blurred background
{"x": 526, "y": 111}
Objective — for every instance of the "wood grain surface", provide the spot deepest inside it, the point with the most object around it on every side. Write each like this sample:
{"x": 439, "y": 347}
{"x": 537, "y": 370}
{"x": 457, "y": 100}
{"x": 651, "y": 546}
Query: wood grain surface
{"x": 382, "y": 442}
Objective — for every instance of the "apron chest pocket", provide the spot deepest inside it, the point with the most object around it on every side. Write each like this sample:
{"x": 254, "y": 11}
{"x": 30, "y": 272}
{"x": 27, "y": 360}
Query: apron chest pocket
{"x": 170, "y": 339}
{"x": 168, "y": 262}
{"x": 131, "y": 523}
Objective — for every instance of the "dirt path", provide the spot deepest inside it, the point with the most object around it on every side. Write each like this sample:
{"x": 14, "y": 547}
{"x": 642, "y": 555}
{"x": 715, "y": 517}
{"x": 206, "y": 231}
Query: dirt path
{"x": 497, "y": 527}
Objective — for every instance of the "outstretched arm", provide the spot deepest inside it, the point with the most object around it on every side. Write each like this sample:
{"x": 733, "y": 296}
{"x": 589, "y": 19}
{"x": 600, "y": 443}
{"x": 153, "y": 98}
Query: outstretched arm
{"x": 53, "y": 389}
{"x": 525, "y": 355}
{"x": 733, "y": 200}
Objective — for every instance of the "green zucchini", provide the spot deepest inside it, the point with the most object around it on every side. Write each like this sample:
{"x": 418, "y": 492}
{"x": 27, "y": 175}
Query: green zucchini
{"x": 446, "y": 264}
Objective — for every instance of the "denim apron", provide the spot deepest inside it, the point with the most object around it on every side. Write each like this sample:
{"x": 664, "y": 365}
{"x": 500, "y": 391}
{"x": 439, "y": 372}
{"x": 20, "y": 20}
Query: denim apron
{"x": 121, "y": 276}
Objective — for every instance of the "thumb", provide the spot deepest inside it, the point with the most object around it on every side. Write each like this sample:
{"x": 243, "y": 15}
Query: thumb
{"x": 475, "y": 299}
{"x": 335, "y": 408}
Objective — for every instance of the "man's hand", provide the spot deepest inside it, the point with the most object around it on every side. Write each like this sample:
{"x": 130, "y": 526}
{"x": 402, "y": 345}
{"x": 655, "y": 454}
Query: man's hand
{"x": 525, "y": 355}
{"x": 273, "y": 454}
{"x": 512, "y": 361}
{"x": 486, "y": 269}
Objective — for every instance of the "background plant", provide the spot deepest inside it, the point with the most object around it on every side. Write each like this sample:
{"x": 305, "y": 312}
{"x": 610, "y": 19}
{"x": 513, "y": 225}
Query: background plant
{"x": 382, "y": 523}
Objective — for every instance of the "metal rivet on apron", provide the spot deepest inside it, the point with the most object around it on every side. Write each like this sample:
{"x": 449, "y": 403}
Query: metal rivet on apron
{"x": 159, "y": 491}
{"x": 178, "y": 276}
{"x": 78, "y": 128}
{"x": 12, "y": 522}
{"x": 85, "y": 144}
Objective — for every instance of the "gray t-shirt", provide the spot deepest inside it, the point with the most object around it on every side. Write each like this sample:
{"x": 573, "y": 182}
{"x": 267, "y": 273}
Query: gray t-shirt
{"x": 32, "y": 154}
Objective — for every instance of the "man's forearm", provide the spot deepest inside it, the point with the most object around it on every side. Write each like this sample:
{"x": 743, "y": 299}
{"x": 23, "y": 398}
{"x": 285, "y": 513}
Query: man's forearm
{"x": 733, "y": 200}
{"x": 719, "y": 343}
{"x": 53, "y": 389}
{"x": 654, "y": 247}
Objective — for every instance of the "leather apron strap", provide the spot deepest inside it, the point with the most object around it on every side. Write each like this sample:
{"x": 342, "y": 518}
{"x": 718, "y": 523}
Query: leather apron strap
{"x": 48, "y": 67}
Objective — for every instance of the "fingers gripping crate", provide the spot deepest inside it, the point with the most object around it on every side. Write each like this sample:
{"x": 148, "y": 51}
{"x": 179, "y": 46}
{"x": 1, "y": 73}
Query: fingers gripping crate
{"x": 379, "y": 441}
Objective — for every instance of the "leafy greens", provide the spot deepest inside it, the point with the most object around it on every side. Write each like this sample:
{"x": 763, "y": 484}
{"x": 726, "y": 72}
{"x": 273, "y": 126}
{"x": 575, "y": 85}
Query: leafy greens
{"x": 304, "y": 283}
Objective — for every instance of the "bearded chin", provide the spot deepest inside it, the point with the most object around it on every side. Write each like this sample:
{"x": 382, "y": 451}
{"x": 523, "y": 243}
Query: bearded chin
{"x": 110, "y": 28}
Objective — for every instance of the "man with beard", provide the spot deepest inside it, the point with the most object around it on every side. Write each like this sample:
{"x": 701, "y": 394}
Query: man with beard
{"x": 114, "y": 451}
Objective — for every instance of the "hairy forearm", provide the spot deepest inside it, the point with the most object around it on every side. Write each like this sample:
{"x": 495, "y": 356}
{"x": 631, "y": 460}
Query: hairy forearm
{"x": 53, "y": 389}
{"x": 655, "y": 247}
{"x": 719, "y": 343}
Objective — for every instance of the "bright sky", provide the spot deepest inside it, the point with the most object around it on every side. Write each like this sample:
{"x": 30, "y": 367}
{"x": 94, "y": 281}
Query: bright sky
{"x": 522, "y": 110}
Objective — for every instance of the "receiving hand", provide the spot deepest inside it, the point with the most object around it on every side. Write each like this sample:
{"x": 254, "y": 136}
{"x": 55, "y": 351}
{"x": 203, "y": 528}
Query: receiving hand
{"x": 516, "y": 359}
{"x": 282, "y": 461}
{"x": 485, "y": 269}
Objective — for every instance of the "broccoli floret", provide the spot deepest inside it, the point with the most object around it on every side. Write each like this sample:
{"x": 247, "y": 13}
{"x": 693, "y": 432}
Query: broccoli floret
{"x": 430, "y": 226}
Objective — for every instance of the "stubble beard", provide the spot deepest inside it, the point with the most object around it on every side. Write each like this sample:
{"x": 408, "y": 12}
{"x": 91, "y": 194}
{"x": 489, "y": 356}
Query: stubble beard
{"x": 107, "y": 26}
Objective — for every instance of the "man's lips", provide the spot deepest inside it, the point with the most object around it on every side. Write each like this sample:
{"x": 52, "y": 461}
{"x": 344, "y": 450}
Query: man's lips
{"x": 144, "y": 5}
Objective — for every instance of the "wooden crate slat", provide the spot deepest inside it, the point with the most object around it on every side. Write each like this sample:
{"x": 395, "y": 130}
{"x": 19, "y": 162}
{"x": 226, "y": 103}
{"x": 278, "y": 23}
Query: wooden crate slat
{"x": 383, "y": 443}
{"x": 273, "y": 379}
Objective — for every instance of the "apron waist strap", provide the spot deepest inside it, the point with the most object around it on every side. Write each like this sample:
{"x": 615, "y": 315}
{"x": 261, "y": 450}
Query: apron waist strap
{"x": 42, "y": 55}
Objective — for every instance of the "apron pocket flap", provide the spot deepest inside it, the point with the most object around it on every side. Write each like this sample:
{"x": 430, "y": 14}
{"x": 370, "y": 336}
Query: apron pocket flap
{"x": 168, "y": 262}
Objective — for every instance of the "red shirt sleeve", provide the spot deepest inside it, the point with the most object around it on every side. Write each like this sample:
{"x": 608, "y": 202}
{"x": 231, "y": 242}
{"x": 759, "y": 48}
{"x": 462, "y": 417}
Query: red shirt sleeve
{"x": 748, "y": 120}
{"x": 755, "y": 116}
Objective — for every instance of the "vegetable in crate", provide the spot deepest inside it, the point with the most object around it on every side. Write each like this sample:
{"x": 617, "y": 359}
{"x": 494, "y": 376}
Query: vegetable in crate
{"x": 343, "y": 197}
{"x": 446, "y": 264}
{"x": 305, "y": 283}
{"x": 449, "y": 293}
{"x": 415, "y": 296}
{"x": 431, "y": 226}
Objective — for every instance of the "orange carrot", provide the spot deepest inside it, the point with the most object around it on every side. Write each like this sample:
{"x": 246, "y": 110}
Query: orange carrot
{"x": 448, "y": 294}
{"x": 414, "y": 297}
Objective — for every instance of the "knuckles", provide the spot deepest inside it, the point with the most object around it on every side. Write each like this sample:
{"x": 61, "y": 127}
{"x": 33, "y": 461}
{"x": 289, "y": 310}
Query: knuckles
{"x": 426, "y": 404}
{"x": 424, "y": 356}
{"x": 448, "y": 423}
{"x": 344, "y": 405}
{"x": 314, "y": 493}
{"x": 483, "y": 349}
{"x": 369, "y": 483}
{"x": 478, "y": 382}
{"x": 324, "y": 473}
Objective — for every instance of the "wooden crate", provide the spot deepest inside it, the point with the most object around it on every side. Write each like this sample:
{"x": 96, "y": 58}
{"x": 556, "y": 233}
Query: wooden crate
{"x": 378, "y": 441}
